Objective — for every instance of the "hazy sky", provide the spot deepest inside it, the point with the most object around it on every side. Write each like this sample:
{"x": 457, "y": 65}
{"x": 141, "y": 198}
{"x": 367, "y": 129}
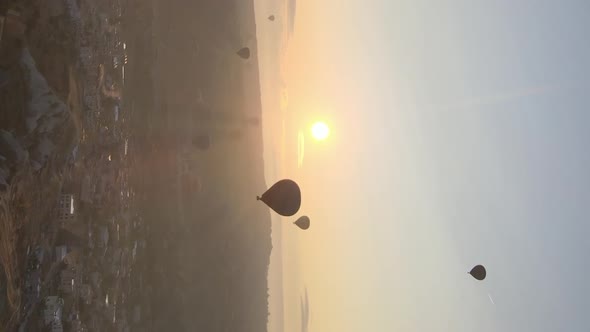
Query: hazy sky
{"x": 460, "y": 137}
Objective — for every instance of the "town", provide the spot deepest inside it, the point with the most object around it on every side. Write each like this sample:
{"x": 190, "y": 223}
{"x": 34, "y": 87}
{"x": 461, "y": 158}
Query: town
{"x": 127, "y": 198}
{"x": 85, "y": 270}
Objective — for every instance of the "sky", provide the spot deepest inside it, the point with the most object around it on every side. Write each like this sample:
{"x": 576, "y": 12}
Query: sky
{"x": 459, "y": 137}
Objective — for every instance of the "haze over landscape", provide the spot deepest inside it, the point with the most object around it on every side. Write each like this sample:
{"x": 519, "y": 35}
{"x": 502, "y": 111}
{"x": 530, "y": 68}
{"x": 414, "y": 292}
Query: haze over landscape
{"x": 427, "y": 137}
{"x": 458, "y": 135}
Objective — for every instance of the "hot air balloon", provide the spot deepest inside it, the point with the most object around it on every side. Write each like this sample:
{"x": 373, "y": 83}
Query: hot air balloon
{"x": 244, "y": 52}
{"x": 478, "y": 272}
{"x": 271, "y": 18}
{"x": 284, "y": 197}
{"x": 302, "y": 222}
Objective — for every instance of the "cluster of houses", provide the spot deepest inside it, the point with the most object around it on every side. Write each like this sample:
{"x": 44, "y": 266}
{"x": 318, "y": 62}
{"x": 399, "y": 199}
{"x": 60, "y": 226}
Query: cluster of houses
{"x": 85, "y": 274}
{"x": 90, "y": 278}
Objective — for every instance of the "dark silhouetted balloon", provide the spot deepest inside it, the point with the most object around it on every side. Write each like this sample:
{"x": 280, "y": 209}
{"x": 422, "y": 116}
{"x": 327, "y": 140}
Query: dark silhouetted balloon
{"x": 271, "y": 18}
{"x": 244, "y": 52}
{"x": 478, "y": 272}
{"x": 284, "y": 197}
{"x": 302, "y": 222}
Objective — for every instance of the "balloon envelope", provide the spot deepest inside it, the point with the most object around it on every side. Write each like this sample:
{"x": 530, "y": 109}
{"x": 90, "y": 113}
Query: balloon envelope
{"x": 478, "y": 272}
{"x": 284, "y": 197}
{"x": 303, "y": 222}
{"x": 244, "y": 52}
{"x": 271, "y": 17}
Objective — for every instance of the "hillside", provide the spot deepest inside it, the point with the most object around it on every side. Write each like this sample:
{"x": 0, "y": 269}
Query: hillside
{"x": 210, "y": 249}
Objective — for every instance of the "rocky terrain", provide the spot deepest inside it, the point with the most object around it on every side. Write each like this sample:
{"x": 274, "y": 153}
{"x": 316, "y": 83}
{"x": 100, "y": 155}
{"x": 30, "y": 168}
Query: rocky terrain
{"x": 99, "y": 107}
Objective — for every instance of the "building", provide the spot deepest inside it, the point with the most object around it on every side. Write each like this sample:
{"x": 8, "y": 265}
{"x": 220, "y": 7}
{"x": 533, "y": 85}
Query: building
{"x": 68, "y": 281}
{"x": 60, "y": 253}
{"x": 57, "y": 326}
{"x": 53, "y": 309}
{"x": 66, "y": 211}
{"x": 33, "y": 285}
{"x": 53, "y": 301}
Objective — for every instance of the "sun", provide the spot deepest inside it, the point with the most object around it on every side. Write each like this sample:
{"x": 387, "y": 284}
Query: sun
{"x": 320, "y": 131}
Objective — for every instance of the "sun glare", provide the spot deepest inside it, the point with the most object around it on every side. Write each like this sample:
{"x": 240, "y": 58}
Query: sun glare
{"x": 320, "y": 131}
